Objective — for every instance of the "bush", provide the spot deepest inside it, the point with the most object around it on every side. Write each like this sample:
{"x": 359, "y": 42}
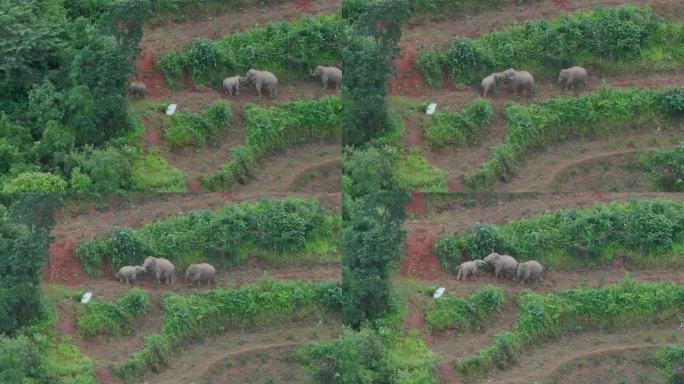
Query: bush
{"x": 643, "y": 231}
{"x": 540, "y": 317}
{"x": 114, "y": 318}
{"x": 152, "y": 173}
{"x": 35, "y": 182}
{"x": 465, "y": 314}
{"x": 89, "y": 255}
{"x": 170, "y": 65}
{"x": 412, "y": 362}
{"x": 666, "y": 168}
{"x": 670, "y": 361}
{"x": 368, "y": 171}
{"x": 125, "y": 248}
{"x": 459, "y": 128}
{"x": 198, "y": 129}
{"x": 275, "y": 128}
{"x": 109, "y": 168}
{"x": 671, "y": 101}
{"x": 603, "y": 38}
{"x": 415, "y": 173}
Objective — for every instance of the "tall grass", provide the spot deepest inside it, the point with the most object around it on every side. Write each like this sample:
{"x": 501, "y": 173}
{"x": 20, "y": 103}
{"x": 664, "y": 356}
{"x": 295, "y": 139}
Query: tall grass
{"x": 666, "y": 168}
{"x": 415, "y": 173}
{"x": 460, "y": 128}
{"x": 452, "y": 312}
{"x": 114, "y": 318}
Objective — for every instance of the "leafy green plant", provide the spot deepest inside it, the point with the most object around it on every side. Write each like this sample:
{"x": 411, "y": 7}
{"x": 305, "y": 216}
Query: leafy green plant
{"x": 415, "y": 173}
{"x": 465, "y": 314}
{"x": 35, "y": 182}
{"x": 666, "y": 168}
{"x": 198, "y": 129}
{"x": 459, "y": 128}
{"x": 670, "y": 361}
{"x": 114, "y": 318}
{"x": 152, "y": 173}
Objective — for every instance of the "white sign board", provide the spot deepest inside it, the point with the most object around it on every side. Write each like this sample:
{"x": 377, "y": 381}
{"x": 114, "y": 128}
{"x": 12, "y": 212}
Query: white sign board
{"x": 431, "y": 108}
{"x": 86, "y": 297}
{"x": 170, "y": 109}
{"x": 439, "y": 292}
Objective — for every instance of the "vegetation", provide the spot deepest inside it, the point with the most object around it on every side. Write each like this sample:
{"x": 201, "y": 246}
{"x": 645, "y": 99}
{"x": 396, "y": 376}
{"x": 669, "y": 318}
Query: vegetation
{"x": 114, "y": 318}
{"x": 536, "y": 125}
{"x": 642, "y": 231}
{"x": 273, "y": 229}
{"x": 275, "y": 128}
{"x": 666, "y": 168}
{"x": 460, "y": 128}
{"x": 415, "y": 173}
{"x": 616, "y": 38}
{"x": 286, "y": 49}
{"x": 552, "y": 315}
{"x": 152, "y": 173}
{"x": 670, "y": 362}
{"x": 438, "y": 8}
{"x": 190, "y": 317}
{"x": 465, "y": 314}
{"x": 198, "y": 129}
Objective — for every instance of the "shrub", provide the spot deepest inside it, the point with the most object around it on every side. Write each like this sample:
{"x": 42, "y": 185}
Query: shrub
{"x": 89, "y": 255}
{"x": 170, "y": 66}
{"x": 670, "y": 361}
{"x": 412, "y": 362}
{"x": 125, "y": 248}
{"x": 465, "y": 314}
{"x": 368, "y": 170}
{"x": 666, "y": 168}
{"x": 540, "y": 317}
{"x": 415, "y": 173}
{"x": 152, "y": 173}
{"x": 671, "y": 101}
{"x": 108, "y": 168}
{"x": 198, "y": 129}
{"x": 35, "y": 182}
{"x": 644, "y": 231}
{"x": 459, "y": 128}
{"x": 114, "y": 318}
{"x": 605, "y": 37}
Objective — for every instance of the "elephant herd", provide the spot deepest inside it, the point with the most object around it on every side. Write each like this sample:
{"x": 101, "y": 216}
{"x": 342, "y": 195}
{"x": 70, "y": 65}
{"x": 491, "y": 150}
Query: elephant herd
{"x": 523, "y": 80}
{"x": 504, "y": 266}
{"x": 162, "y": 270}
{"x": 262, "y": 80}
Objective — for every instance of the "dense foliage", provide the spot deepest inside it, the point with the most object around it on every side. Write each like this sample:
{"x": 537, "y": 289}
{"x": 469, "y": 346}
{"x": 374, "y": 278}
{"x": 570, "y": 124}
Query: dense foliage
{"x": 666, "y": 168}
{"x": 620, "y": 37}
{"x": 198, "y": 129}
{"x": 534, "y": 126}
{"x": 275, "y": 128}
{"x": 670, "y": 361}
{"x": 544, "y": 316}
{"x": 63, "y": 85}
{"x": 438, "y": 8}
{"x": 415, "y": 173}
{"x": 284, "y": 48}
{"x": 642, "y": 231}
{"x": 459, "y": 128}
{"x": 194, "y": 316}
{"x": 465, "y": 314}
{"x": 114, "y": 318}
{"x": 273, "y": 229}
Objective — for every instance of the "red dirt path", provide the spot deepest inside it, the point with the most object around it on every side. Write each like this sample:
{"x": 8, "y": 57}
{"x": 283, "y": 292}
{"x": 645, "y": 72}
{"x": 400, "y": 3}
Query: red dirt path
{"x": 419, "y": 260}
{"x": 63, "y": 266}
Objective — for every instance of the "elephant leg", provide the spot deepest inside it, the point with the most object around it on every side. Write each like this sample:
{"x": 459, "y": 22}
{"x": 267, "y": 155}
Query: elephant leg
{"x": 458, "y": 275}
{"x": 274, "y": 92}
{"x": 497, "y": 271}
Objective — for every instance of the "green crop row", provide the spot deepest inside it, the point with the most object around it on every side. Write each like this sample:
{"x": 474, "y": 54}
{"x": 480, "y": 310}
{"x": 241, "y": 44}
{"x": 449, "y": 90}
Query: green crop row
{"x": 534, "y": 126}
{"x": 465, "y": 314}
{"x": 544, "y": 316}
{"x": 670, "y": 361}
{"x": 273, "y": 229}
{"x": 460, "y": 128}
{"x": 643, "y": 231}
{"x": 198, "y": 129}
{"x": 113, "y": 318}
{"x": 606, "y": 38}
{"x": 666, "y": 168}
{"x": 270, "y": 129}
{"x": 286, "y": 49}
{"x": 191, "y": 317}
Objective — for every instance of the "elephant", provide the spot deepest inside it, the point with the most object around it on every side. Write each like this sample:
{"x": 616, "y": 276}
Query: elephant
{"x": 469, "y": 268}
{"x": 263, "y": 79}
{"x": 328, "y": 75}
{"x": 529, "y": 270}
{"x": 231, "y": 85}
{"x": 521, "y": 80}
{"x": 199, "y": 272}
{"x": 503, "y": 264}
{"x": 129, "y": 274}
{"x": 572, "y": 77}
{"x": 161, "y": 268}
{"x": 138, "y": 89}
{"x": 489, "y": 83}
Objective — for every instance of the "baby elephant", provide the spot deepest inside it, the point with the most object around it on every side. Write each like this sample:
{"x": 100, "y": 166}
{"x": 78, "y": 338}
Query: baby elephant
{"x": 161, "y": 268}
{"x": 129, "y": 274}
{"x": 572, "y": 77}
{"x": 263, "y": 79}
{"x": 529, "y": 270}
{"x": 489, "y": 83}
{"x": 469, "y": 268}
{"x": 521, "y": 80}
{"x": 231, "y": 85}
{"x": 328, "y": 75}
{"x": 503, "y": 264}
{"x": 200, "y": 272}
{"x": 138, "y": 89}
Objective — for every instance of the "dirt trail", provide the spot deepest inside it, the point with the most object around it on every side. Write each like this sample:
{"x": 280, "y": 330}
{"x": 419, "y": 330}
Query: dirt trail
{"x": 419, "y": 259}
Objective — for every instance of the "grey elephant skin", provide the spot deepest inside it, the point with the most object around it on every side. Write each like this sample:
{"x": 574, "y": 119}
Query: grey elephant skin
{"x": 197, "y": 273}
{"x": 504, "y": 265}
{"x": 489, "y": 83}
{"x": 469, "y": 268}
{"x": 138, "y": 89}
{"x": 573, "y": 77}
{"x": 263, "y": 80}
{"x": 129, "y": 274}
{"x": 521, "y": 80}
{"x": 329, "y": 76}
{"x": 161, "y": 269}
{"x": 530, "y": 271}
{"x": 231, "y": 85}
